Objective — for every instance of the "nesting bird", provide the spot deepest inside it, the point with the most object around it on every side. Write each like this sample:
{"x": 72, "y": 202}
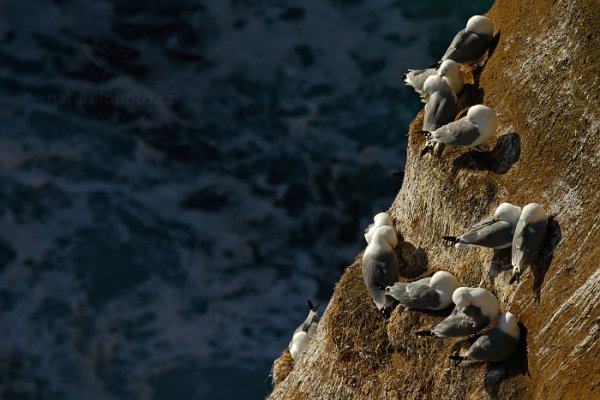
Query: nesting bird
{"x": 528, "y": 239}
{"x": 495, "y": 232}
{"x": 432, "y": 293}
{"x": 380, "y": 219}
{"x": 475, "y": 128}
{"x": 380, "y": 265}
{"x": 449, "y": 71}
{"x": 475, "y": 308}
{"x": 441, "y": 107}
{"x": 471, "y": 43}
{"x": 304, "y": 332}
{"x": 498, "y": 344}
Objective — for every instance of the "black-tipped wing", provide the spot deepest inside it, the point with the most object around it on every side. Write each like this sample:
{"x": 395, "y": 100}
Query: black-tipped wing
{"x": 489, "y": 233}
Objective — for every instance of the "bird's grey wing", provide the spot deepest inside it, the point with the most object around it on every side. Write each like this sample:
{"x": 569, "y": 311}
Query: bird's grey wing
{"x": 312, "y": 328}
{"x": 457, "y": 133}
{"x": 493, "y": 346}
{"x": 491, "y": 234}
{"x": 523, "y": 240}
{"x": 398, "y": 291}
{"x": 467, "y": 47}
{"x": 387, "y": 272}
{"x": 456, "y": 324}
{"x": 484, "y": 222}
{"x": 439, "y": 110}
{"x": 379, "y": 272}
{"x": 478, "y": 320}
{"x": 421, "y": 296}
{"x": 459, "y": 38}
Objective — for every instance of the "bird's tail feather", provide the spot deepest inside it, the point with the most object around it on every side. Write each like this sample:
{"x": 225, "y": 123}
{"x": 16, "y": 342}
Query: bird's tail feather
{"x": 425, "y": 333}
{"x": 452, "y": 239}
{"x": 427, "y": 149}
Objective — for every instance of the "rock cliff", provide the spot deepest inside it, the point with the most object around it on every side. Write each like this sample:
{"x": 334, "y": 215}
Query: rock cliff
{"x": 542, "y": 79}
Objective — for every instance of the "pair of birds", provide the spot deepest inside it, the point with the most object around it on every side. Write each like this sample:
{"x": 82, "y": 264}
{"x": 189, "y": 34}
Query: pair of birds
{"x": 439, "y": 88}
{"x": 522, "y": 230}
{"x": 475, "y": 308}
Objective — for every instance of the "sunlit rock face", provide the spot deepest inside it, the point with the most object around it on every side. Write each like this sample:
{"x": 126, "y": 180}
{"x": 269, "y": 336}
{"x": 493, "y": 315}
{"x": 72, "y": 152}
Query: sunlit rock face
{"x": 541, "y": 79}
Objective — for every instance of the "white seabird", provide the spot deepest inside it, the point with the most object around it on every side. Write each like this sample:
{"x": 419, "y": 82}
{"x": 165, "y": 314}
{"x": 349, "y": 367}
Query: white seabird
{"x": 495, "y": 232}
{"x": 441, "y": 107}
{"x": 475, "y": 309}
{"x": 475, "y": 128}
{"x": 432, "y": 293}
{"x": 471, "y": 43}
{"x": 448, "y": 70}
{"x": 304, "y": 332}
{"x": 380, "y": 265}
{"x": 497, "y": 344}
{"x": 380, "y": 219}
{"x": 528, "y": 239}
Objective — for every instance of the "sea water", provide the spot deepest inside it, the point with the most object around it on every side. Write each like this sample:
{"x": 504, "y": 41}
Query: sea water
{"x": 178, "y": 177}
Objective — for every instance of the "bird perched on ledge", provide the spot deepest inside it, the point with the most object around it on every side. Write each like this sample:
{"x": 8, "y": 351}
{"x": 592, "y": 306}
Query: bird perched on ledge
{"x": 475, "y": 309}
{"x": 497, "y": 344}
{"x": 471, "y": 43}
{"x": 473, "y": 129}
{"x": 380, "y": 266}
{"x": 495, "y": 232}
{"x": 528, "y": 239}
{"x": 304, "y": 332}
{"x": 432, "y": 293}
{"x": 380, "y": 219}
{"x": 449, "y": 71}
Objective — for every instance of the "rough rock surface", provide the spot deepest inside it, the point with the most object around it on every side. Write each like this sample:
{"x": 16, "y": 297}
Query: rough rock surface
{"x": 542, "y": 79}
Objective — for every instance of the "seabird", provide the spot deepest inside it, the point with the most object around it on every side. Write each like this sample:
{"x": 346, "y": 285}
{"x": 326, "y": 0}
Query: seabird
{"x": 528, "y": 239}
{"x": 304, "y": 332}
{"x": 495, "y": 232}
{"x": 471, "y": 43}
{"x": 380, "y": 265}
{"x": 432, "y": 293}
{"x": 441, "y": 107}
{"x": 471, "y": 130}
{"x": 380, "y": 219}
{"x": 475, "y": 309}
{"x": 448, "y": 70}
{"x": 498, "y": 344}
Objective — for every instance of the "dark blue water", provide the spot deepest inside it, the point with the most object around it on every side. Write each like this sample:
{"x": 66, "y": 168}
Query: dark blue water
{"x": 177, "y": 177}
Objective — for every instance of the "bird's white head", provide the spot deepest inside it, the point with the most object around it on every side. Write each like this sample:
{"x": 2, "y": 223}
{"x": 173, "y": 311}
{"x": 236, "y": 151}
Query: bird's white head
{"x": 434, "y": 83}
{"x": 533, "y": 212}
{"x": 449, "y": 68}
{"x": 485, "y": 118}
{"x": 462, "y": 297}
{"x": 508, "y": 212}
{"x": 480, "y": 25}
{"x": 486, "y": 301}
{"x": 508, "y": 324}
{"x": 444, "y": 281}
{"x": 381, "y": 219}
{"x": 385, "y": 236}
